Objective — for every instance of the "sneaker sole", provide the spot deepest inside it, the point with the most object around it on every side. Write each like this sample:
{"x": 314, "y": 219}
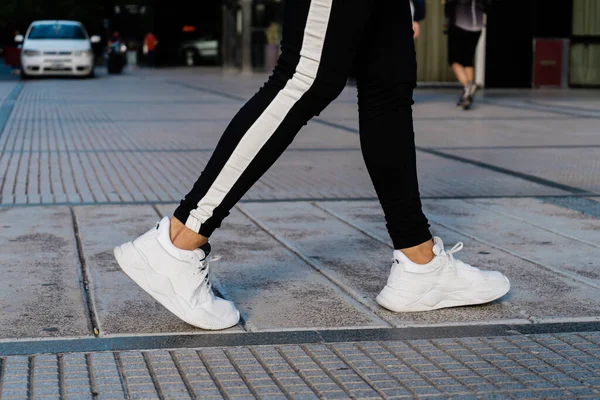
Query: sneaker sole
{"x": 391, "y": 299}
{"x": 467, "y": 103}
{"x": 137, "y": 275}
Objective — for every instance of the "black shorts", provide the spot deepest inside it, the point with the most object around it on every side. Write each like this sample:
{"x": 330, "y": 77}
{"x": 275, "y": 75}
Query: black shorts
{"x": 461, "y": 46}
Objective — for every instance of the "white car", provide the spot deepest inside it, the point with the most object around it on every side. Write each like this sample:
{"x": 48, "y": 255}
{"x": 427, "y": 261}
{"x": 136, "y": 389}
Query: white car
{"x": 56, "y": 48}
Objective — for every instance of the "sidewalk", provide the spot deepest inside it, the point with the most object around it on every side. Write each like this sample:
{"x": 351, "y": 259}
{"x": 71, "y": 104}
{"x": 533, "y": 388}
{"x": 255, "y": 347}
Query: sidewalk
{"x": 86, "y": 165}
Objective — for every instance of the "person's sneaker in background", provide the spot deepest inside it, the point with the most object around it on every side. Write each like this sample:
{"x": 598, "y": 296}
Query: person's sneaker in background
{"x": 468, "y": 95}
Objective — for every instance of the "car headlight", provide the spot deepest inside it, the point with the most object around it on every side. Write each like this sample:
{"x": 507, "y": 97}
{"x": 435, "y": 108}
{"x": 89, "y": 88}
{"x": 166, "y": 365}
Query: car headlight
{"x": 31, "y": 53}
{"x": 83, "y": 53}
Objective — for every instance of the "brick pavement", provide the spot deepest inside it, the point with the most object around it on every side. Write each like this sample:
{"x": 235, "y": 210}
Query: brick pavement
{"x": 123, "y": 140}
{"x": 541, "y": 366}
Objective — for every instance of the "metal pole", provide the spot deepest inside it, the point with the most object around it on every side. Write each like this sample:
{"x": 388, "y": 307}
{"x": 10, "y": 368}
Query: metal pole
{"x": 480, "y": 56}
{"x": 246, "y": 37}
{"x": 225, "y": 37}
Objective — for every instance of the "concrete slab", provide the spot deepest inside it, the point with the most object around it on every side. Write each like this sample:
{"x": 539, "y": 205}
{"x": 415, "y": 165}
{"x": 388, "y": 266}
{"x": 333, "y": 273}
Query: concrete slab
{"x": 274, "y": 289}
{"x": 41, "y": 291}
{"x": 534, "y": 289}
{"x": 571, "y": 223}
{"x": 122, "y": 307}
{"x": 579, "y": 167}
{"x": 356, "y": 261}
{"x": 467, "y": 131}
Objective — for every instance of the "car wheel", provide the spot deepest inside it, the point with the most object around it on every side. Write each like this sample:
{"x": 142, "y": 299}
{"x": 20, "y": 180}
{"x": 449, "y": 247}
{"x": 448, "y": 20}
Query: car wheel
{"x": 92, "y": 74}
{"x": 24, "y": 75}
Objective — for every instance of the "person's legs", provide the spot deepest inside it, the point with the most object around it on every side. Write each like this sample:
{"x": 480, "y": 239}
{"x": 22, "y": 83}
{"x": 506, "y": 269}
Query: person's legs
{"x": 320, "y": 38}
{"x": 424, "y": 276}
{"x": 319, "y": 43}
{"x": 467, "y": 58}
{"x": 455, "y": 60}
{"x": 387, "y": 75}
{"x": 461, "y": 73}
{"x": 461, "y": 54}
{"x": 151, "y": 58}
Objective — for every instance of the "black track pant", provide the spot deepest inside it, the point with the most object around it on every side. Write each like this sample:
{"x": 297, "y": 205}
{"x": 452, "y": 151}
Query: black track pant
{"x": 321, "y": 40}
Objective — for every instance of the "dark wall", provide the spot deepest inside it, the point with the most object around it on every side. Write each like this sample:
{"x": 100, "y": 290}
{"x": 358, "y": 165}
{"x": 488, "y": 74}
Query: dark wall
{"x": 552, "y": 19}
{"x": 172, "y": 15}
{"x": 512, "y": 26}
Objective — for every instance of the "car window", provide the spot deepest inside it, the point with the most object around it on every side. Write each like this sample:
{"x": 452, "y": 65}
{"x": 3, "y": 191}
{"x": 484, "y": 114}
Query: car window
{"x": 56, "y": 31}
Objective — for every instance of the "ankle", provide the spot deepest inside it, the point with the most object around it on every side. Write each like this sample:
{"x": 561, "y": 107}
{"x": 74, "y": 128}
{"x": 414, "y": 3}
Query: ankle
{"x": 420, "y": 254}
{"x": 184, "y": 238}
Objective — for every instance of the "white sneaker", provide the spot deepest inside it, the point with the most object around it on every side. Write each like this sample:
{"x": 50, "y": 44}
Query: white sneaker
{"x": 444, "y": 282}
{"x": 177, "y": 279}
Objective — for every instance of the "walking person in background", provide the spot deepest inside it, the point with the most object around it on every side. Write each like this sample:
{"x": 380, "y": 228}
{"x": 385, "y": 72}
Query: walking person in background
{"x": 320, "y": 40}
{"x": 114, "y": 38}
{"x": 149, "y": 49}
{"x": 465, "y": 19}
{"x": 417, "y": 8}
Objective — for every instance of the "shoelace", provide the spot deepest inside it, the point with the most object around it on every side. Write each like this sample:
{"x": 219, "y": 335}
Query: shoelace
{"x": 450, "y": 253}
{"x": 204, "y": 267}
{"x": 457, "y": 247}
{"x": 457, "y": 263}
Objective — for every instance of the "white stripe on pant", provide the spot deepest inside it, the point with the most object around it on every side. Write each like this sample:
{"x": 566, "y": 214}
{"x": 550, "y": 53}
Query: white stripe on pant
{"x": 264, "y": 127}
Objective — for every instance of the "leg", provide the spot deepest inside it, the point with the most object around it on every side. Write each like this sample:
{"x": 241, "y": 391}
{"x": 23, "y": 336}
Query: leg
{"x": 461, "y": 73}
{"x": 151, "y": 58}
{"x": 456, "y": 50}
{"x": 386, "y": 79}
{"x": 455, "y": 45}
{"x": 467, "y": 58}
{"x": 470, "y": 71}
{"x": 319, "y": 42}
{"x": 424, "y": 276}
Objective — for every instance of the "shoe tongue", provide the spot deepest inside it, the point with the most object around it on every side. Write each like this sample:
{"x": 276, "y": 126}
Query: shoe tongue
{"x": 203, "y": 251}
{"x": 438, "y": 246}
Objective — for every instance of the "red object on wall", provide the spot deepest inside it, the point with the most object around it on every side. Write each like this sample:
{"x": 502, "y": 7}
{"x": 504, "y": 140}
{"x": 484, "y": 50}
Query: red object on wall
{"x": 549, "y": 62}
{"x": 12, "y": 56}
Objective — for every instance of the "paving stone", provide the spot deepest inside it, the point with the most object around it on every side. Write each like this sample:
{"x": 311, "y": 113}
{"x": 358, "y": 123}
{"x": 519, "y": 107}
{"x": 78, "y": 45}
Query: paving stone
{"x": 40, "y": 294}
{"x": 81, "y": 396}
